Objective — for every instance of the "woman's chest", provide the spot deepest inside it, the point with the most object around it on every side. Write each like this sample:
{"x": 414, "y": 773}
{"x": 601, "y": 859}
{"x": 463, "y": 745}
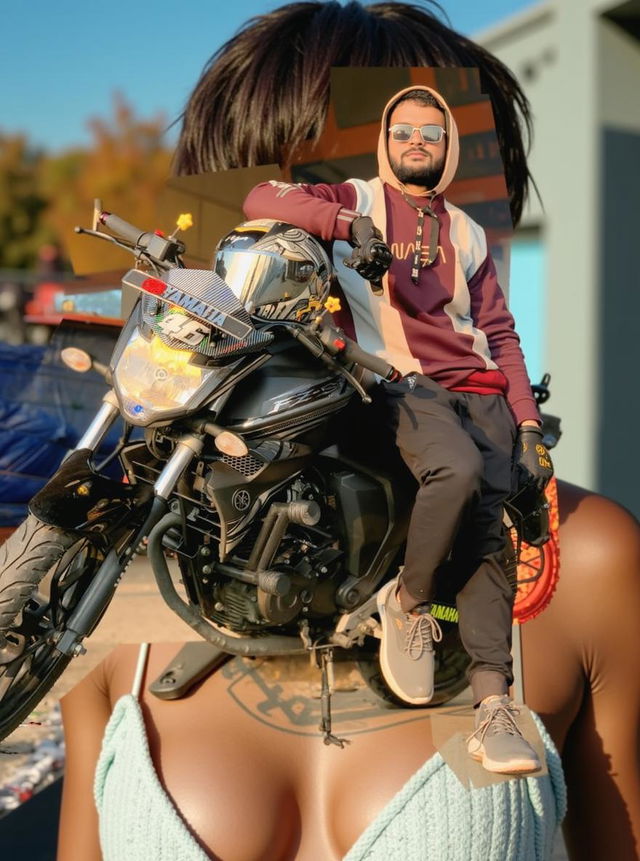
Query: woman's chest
{"x": 252, "y": 789}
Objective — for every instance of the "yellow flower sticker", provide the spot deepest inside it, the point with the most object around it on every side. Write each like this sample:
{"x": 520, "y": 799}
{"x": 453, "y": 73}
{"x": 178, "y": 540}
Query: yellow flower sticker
{"x": 184, "y": 221}
{"x": 332, "y": 304}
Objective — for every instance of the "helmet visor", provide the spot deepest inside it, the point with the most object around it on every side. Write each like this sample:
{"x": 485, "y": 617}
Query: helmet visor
{"x": 261, "y": 278}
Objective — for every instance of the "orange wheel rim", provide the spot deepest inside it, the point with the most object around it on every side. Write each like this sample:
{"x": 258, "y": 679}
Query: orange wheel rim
{"x": 538, "y": 567}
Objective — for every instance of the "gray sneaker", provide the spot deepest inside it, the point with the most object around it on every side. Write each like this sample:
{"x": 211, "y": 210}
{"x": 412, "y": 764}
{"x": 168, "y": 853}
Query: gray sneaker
{"x": 406, "y": 648}
{"x": 497, "y": 741}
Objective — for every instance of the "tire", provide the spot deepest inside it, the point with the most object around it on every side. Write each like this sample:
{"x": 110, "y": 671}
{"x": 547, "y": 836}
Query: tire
{"x": 25, "y": 558}
{"x": 34, "y": 608}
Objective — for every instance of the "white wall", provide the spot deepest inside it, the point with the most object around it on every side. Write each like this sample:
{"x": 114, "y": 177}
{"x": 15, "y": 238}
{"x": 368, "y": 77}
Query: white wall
{"x": 553, "y": 52}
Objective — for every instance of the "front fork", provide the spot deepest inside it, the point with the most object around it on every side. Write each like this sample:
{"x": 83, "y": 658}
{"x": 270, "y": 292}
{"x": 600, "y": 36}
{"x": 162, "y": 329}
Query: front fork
{"x": 188, "y": 447}
{"x": 103, "y": 420}
{"x": 100, "y": 592}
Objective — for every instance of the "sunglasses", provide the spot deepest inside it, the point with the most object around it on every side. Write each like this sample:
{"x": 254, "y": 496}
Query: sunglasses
{"x": 403, "y": 132}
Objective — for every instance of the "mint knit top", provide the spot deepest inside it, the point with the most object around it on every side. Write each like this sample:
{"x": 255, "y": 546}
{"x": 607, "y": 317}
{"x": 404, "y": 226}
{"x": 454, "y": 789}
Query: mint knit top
{"x": 432, "y": 817}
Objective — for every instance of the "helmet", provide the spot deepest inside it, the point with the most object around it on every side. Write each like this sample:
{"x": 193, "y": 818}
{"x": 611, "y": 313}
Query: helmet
{"x": 277, "y": 271}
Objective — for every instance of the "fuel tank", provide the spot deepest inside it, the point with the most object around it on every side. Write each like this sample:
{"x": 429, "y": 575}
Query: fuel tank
{"x": 290, "y": 394}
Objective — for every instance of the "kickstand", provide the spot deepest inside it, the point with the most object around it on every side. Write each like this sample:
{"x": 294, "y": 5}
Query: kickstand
{"x": 326, "y": 668}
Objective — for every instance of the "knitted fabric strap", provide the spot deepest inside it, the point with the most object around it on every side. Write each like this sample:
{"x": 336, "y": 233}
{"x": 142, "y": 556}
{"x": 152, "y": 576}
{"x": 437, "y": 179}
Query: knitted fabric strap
{"x": 435, "y": 816}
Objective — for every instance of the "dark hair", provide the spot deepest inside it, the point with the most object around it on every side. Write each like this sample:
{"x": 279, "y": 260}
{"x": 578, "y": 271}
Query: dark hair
{"x": 266, "y": 90}
{"x": 420, "y": 96}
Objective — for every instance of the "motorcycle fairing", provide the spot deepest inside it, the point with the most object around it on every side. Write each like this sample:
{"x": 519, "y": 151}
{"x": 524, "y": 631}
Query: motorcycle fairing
{"x": 280, "y": 396}
{"x": 204, "y": 340}
{"x": 143, "y": 370}
{"x": 80, "y": 499}
{"x": 238, "y": 497}
{"x": 366, "y": 494}
{"x": 202, "y": 293}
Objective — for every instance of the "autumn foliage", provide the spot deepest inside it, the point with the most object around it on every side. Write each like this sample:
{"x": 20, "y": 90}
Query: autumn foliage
{"x": 43, "y": 196}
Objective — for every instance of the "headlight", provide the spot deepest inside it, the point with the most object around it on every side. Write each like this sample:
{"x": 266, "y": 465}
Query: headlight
{"x": 152, "y": 378}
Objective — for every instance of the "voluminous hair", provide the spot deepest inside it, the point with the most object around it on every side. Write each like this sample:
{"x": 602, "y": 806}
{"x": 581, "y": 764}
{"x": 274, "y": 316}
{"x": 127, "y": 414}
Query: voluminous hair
{"x": 266, "y": 90}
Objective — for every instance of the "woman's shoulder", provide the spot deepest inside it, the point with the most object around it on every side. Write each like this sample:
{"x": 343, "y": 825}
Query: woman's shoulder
{"x": 114, "y": 676}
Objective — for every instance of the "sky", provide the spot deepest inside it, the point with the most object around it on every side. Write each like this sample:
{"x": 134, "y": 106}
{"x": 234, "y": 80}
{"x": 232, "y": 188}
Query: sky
{"x": 64, "y": 60}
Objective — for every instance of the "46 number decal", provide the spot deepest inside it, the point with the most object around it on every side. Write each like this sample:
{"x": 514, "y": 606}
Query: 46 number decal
{"x": 183, "y": 328}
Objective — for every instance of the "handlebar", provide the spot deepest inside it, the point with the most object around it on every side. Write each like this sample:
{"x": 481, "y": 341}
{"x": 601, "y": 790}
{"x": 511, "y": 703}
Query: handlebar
{"x": 334, "y": 342}
{"x": 125, "y": 230}
{"x": 318, "y": 341}
{"x": 163, "y": 251}
{"x": 337, "y": 343}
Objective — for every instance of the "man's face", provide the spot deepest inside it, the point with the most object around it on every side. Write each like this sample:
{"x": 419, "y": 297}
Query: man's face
{"x": 415, "y": 162}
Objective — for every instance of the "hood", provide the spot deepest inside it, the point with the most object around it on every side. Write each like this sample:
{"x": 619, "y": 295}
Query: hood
{"x": 453, "y": 145}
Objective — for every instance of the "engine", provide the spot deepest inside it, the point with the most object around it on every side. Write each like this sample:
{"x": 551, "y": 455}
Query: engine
{"x": 286, "y": 567}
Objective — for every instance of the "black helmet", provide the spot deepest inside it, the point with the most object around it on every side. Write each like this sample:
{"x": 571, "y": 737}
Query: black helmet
{"x": 276, "y": 270}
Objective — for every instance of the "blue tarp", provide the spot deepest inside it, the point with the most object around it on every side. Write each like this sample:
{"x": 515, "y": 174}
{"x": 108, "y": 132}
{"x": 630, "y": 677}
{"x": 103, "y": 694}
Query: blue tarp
{"x": 44, "y": 408}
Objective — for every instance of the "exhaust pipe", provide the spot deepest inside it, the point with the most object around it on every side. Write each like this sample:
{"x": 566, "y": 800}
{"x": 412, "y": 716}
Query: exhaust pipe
{"x": 245, "y": 646}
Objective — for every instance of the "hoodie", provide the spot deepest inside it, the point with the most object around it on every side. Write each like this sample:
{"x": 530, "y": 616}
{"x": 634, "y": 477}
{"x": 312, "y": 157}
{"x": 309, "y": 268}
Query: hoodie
{"x": 451, "y": 322}
{"x": 452, "y": 155}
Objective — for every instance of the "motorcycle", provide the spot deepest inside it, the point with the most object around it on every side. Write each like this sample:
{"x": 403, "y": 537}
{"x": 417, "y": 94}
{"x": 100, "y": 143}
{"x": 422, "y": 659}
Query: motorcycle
{"x": 234, "y": 458}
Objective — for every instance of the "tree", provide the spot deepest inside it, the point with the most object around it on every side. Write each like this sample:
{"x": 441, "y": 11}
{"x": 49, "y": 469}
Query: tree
{"x": 22, "y": 204}
{"x": 126, "y": 167}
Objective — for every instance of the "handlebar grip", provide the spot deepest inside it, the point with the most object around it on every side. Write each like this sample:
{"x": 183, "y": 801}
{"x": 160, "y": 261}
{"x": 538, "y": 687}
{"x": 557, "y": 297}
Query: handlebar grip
{"x": 353, "y": 353}
{"x": 126, "y": 231}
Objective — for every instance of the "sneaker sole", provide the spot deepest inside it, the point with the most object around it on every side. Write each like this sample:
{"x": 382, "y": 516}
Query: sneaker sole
{"x": 521, "y": 766}
{"x": 387, "y": 675}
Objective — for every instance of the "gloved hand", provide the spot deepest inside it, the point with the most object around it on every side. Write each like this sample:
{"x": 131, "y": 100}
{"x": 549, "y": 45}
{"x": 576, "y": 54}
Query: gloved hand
{"x": 533, "y": 456}
{"x": 371, "y": 255}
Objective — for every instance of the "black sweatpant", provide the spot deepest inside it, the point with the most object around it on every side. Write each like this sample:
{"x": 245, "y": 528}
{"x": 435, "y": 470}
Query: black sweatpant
{"x": 459, "y": 447}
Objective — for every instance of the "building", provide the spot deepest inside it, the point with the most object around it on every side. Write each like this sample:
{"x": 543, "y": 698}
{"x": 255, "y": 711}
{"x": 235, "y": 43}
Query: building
{"x": 579, "y": 63}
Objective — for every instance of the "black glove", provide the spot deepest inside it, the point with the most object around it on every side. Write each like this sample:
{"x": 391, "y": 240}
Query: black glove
{"x": 371, "y": 255}
{"x": 532, "y": 455}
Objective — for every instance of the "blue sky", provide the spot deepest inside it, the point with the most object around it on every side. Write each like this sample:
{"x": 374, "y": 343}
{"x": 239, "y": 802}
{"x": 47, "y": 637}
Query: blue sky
{"x": 62, "y": 61}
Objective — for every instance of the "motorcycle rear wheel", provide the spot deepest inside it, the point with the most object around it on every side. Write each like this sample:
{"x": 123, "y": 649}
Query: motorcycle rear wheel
{"x": 450, "y": 672}
{"x": 44, "y": 571}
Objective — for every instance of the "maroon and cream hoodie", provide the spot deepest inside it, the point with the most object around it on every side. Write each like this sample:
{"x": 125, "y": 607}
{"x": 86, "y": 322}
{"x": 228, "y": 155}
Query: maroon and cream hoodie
{"x": 453, "y": 325}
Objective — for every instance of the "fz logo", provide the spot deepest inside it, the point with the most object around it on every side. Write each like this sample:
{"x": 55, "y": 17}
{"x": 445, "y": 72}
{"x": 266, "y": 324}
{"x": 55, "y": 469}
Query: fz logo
{"x": 241, "y": 500}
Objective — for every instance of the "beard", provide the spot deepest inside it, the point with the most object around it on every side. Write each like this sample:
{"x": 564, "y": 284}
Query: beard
{"x": 425, "y": 175}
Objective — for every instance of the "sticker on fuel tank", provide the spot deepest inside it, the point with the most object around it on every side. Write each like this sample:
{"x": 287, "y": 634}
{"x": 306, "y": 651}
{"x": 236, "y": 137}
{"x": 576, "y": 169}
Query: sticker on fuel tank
{"x": 309, "y": 394}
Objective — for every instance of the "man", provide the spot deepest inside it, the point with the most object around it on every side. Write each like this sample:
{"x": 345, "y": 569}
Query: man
{"x": 438, "y": 316}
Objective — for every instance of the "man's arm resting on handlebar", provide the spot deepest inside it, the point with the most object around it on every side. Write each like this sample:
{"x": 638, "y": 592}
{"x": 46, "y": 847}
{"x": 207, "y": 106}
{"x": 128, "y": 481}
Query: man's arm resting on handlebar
{"x": 325, "y": 210}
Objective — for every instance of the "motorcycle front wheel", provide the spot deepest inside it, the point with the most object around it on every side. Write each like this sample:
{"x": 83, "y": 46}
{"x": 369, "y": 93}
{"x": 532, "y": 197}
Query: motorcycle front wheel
{"x": 44, "y": 572}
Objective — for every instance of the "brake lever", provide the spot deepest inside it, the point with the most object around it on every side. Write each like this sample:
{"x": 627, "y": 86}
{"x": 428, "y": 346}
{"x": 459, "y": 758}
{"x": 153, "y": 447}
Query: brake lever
{"x": 349, "y": 376}
{"x": 318, "y": 349}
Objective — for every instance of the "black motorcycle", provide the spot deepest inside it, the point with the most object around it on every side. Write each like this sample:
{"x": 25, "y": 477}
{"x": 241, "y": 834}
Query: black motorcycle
{"x": 244, "y": 453}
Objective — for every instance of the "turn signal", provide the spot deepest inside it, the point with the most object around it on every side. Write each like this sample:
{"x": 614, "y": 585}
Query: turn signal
{"x": 76, "y": 359}
{"x": 231, "y": 444}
